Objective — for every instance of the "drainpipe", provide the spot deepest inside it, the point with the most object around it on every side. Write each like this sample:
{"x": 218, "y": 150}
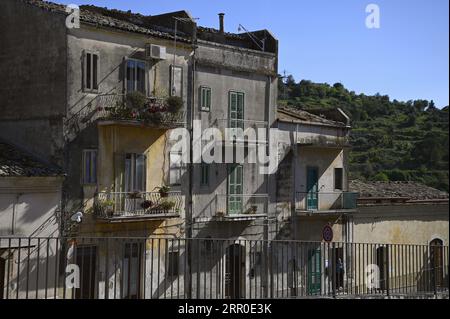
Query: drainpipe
{"x": 189, "y": 211}
{"x": 293, "y": 224}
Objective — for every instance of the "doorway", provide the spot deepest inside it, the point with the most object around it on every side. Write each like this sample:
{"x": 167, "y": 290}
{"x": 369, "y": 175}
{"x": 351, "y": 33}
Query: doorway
{"x": 132, "y": 268}
{"x": 314, "y": 279}
{"x": 383, "y": 266}
{"x": 436, "y": 260}
{"x": 235, "y": 271}
{"x": 86, "y": 257}
{"x": 312, "y": 180}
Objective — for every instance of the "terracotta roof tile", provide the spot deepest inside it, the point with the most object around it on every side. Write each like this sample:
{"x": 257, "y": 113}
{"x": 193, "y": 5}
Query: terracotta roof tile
{"x": 16, "y": 162}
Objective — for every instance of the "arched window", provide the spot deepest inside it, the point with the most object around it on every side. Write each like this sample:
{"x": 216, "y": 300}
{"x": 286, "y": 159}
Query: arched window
{"x": 436, "y": 263}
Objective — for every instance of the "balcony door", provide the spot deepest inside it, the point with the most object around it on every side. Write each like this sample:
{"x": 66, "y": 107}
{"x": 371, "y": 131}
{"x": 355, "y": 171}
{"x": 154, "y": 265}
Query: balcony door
{"x": 314, "y": 279}
{"x": 235, "y": 183}
{"x": 134, "y": 181}
{"x": 312, "y": 180}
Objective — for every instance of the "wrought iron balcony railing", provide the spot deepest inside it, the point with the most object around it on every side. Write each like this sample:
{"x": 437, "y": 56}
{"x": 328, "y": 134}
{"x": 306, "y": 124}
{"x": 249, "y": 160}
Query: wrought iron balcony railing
{"x": 235, "y": 207}
{"x": 113, "y": 107}
{"x": 325, "y": 201}
{"x": 110, "y": 205}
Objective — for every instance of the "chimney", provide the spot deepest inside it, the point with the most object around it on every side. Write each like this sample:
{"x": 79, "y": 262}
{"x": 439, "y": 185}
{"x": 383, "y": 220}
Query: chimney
{"x": 221, "y": 29}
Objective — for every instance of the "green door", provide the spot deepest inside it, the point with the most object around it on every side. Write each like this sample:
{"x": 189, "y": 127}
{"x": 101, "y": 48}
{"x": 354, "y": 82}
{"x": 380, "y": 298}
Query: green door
{"x": 236, "y": 110}
{"x": 312, "y": 197}
{"x": 235, "y": 179}
{"x": 314, "y": 271}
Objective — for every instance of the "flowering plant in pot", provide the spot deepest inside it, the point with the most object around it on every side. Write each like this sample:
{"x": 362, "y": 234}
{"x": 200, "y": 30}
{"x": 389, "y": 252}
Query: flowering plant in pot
{"x": 163, "y": 191}
{"x": 146, "y": 204}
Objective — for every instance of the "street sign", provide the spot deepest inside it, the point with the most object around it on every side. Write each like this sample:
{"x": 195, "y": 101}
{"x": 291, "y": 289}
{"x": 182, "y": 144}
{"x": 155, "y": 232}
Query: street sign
{"x": 327, "y": 233}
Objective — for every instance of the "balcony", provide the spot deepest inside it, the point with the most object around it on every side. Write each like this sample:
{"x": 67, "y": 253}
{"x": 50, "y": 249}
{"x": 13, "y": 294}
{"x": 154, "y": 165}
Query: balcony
{"x": 324, "y": 141}
{"x": 121, "y": 206}
{"x": 236, "y": 208}
{"x": 131, "y": 108}
{"x": 326, "y": 202}
{"x": 242, "y": 131}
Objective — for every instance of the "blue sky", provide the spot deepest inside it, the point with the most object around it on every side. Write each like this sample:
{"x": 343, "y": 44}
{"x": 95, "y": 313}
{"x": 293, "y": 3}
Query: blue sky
{"x": 327, "y": 40}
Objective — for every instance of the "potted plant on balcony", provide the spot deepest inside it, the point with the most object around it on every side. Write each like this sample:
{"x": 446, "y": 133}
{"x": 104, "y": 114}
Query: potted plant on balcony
{"x": 252, "y": 210}
{"x": 220, "y": 213}
{"x": 174, "y": 104}
{"x": 135, "y": 100}
{"x": 166, "y": 205}
{"x": 105, "y": 207}
{"x": 146, "y": 204}
{"x": 134, "y": 195}
{"x": 163, "y": 191}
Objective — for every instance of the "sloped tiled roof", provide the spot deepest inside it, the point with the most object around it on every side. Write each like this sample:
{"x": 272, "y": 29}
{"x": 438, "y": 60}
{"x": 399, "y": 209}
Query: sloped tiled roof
{"x": 16, "y": 162}
{"x": 126, "y": 21}
{"x": 409, "y": 190}
{"x": 286, "y": 113}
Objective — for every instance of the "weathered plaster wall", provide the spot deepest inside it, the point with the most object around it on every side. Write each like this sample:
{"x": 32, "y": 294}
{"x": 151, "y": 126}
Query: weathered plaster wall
{"x": 225, "y": 69}
{"x": 401, "y": 224}
{"x": 113, "y": 47}
{"x": 122, "y": 139}
{"x": 117, "y": 139}
{"x": 32, "y": 90}
{"x": 29, "y": 206}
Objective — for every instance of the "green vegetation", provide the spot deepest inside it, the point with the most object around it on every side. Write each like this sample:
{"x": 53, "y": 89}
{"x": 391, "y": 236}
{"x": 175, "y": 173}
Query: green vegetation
{"x": 391, "y": 140}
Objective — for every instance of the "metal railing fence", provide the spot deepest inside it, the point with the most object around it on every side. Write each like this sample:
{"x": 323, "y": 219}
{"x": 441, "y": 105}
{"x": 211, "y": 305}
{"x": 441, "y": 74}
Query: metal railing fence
{"x": 112, "y": 267}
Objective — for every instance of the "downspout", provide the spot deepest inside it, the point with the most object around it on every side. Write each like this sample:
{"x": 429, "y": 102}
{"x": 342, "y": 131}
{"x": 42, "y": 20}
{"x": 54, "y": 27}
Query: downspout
{"x": 189, "y": 211}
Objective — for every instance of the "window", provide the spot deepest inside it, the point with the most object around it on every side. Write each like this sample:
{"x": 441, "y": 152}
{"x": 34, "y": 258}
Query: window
{"x": 173, "y": 263}
{"x": 89, "y": 166}
{"x": 135, "y": 172}
{"x": 176, "y": 169}
{"x": 176, "y": 80}
{"x": 204, "y": 174}
{"x": 205, "y": 98}
{"x": 135, "y": 76}
{"x": 236, "y": 110}
{"x": 91, "y": 68}
{"x": 338, "y": 179}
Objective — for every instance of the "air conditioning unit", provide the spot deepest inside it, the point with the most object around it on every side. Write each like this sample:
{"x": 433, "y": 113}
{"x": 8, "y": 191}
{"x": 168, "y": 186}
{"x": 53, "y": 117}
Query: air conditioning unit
{"x": 156, "y": 52}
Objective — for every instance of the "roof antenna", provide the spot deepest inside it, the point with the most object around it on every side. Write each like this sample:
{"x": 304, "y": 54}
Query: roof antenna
{"x": 260, "y": 43}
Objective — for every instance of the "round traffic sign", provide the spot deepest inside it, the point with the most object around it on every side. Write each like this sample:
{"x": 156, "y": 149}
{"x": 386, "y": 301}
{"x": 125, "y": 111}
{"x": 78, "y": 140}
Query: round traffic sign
{"x": 327, "y": 233}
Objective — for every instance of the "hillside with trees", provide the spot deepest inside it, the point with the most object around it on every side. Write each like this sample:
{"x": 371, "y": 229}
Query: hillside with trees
{"x": 391, "y": 140}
